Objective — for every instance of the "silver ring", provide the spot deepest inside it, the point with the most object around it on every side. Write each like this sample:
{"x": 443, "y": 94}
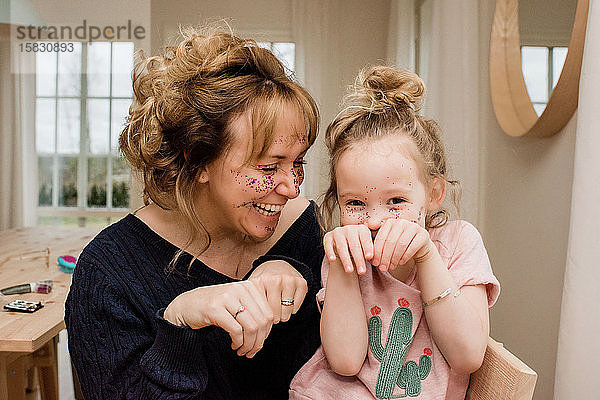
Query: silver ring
{"x": 239, "y": 310}
{"x": 287, "y": 302}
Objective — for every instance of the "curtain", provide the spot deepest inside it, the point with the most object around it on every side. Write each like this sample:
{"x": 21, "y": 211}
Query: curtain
{"x": 311, "y": 31}
{"x": 17, "y": 148}
{"x": 578, "y": 360}
{"x": 401, "y": 34}
{"x": 449, "y": 63}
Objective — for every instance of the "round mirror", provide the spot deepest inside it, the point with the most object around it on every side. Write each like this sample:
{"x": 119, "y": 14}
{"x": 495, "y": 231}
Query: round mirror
{"x": 534, "y": 75}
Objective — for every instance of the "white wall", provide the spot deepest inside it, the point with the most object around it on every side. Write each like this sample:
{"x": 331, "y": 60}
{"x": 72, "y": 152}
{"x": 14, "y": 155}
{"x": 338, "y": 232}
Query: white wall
{"x": 525, "y": 208}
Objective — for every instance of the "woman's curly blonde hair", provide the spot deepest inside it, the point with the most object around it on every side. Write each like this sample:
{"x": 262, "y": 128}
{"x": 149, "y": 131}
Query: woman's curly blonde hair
{"x": 384, "y": 101}
{"x": 184, "y": 102}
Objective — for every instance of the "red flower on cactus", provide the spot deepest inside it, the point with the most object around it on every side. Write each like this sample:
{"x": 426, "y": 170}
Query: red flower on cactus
{"x": 375, "y": 310}
{"x": 402, "y": 302}
{"x": 427, "y": 351}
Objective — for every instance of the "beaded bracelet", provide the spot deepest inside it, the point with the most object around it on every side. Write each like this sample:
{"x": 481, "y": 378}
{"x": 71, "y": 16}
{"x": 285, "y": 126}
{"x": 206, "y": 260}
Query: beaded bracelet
{"x": 441, "y": 296}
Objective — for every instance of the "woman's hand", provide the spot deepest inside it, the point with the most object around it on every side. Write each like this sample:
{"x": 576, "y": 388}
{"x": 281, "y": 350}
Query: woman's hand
{"x": 398, "y": 241}
{"x": 283, "y": 287}
{"x": 240, "y": 308}
{"x": 357, "y": 239}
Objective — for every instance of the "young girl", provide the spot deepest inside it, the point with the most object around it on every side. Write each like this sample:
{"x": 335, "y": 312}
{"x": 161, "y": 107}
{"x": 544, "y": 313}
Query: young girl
{"x": 406, "y": 295}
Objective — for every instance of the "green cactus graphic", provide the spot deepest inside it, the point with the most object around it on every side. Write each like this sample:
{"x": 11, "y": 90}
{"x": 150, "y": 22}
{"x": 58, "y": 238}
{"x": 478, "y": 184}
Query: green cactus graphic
{"x": 412, "y": 374}
{"x": 393, "y": 371}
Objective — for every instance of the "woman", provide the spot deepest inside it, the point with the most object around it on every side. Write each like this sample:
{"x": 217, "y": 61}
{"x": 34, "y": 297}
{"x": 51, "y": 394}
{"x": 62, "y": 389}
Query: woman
{"x": 200, "y": 293}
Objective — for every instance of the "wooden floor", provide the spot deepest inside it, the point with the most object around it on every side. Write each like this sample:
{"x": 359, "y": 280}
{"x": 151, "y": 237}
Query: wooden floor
{"x": 65, "y": 380}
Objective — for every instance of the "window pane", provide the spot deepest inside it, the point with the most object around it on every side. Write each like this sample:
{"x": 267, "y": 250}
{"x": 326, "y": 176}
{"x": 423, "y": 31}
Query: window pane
{"x": 67, "y": 181}
{"x": 98, "y": 121}
{"x": 559, "y": 55}
{"x": 96, "y": 190}
{"x": 69, "y": 72}
{"x": 120, "y": 111}
{"x": 535, "y": 71}
{"x": 122, "y": 67}
{"x": 44, "y": 181}
{"x": 45, "y": 118}
{"x": 68, "y": 125}
{"x": 286, "y": 53}
{"x": 45, "y": 73}
{"x": 120, "y": 196}
{"x": 539, "y": 108}
{"x": 98, "y": 69}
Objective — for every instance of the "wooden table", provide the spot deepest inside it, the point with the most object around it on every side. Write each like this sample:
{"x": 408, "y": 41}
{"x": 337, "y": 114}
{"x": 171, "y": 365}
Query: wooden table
{"x": 29, "y": 340}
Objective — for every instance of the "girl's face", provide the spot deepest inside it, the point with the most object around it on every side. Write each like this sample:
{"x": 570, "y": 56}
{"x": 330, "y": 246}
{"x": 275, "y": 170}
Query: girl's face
{"x": 247, "y": 197}
{"x": 380, "y": 179}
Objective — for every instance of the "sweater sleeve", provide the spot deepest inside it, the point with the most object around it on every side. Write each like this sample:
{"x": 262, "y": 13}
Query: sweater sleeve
{"x": 118, "y": 354}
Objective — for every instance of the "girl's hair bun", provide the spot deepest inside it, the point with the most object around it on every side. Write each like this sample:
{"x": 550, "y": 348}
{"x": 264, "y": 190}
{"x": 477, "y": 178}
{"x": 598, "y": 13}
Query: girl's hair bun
{"x": 382, "y": 87}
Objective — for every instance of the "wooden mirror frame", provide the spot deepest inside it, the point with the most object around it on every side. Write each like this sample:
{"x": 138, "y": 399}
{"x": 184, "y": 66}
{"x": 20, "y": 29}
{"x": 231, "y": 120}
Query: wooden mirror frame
{"x": 512, "y": 105}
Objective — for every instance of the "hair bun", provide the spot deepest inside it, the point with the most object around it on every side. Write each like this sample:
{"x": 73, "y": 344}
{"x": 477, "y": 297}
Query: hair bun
{"x": 388, "y": 87}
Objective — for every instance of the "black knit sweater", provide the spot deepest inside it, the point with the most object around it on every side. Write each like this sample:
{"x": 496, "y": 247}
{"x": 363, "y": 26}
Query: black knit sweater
{"x": 122, "y": 347}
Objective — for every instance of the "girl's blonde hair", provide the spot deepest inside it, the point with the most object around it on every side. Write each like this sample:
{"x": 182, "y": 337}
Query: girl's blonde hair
{"x": 184, "y": 102}
{"x": 384, "y": 101}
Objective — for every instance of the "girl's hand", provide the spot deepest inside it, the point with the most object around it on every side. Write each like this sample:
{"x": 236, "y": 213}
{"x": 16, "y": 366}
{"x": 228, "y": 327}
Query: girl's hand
{"x": 398, "y": 241}
{"x": 357, "y": 238}
{"x": 278, "y": 281}
{"x": 239, "y": 308}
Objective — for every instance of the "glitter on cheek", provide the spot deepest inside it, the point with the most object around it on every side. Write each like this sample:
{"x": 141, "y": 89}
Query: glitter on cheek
{"x": 298, "y": 176}
{"x": 353, "y": 215}
{"x": 396, "y": 213}
{"x": 259, "y": 185}
{"x": 402, "y": 211}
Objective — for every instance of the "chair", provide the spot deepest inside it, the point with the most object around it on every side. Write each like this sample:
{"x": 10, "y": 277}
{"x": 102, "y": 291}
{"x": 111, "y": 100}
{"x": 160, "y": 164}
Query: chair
{"x": 502, "y": 376}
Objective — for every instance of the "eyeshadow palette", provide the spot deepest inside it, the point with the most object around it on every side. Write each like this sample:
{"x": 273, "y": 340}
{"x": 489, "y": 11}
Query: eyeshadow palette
{"x": 24, "y": 306}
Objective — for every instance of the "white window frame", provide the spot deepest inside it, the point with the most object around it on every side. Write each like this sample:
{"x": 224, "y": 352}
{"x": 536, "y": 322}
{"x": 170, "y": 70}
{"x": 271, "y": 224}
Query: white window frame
{"x": 82, "y": 211}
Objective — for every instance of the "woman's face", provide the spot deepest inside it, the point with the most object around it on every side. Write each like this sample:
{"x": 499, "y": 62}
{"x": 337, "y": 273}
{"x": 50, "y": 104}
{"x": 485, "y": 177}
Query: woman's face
{"x": 241, "y": 196}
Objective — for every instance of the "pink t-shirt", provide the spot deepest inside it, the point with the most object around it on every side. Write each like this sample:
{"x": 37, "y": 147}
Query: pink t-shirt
{"x": 410, "y": 365}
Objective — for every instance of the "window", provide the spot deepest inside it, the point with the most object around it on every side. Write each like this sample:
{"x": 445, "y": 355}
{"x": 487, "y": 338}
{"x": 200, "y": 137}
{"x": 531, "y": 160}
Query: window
{"x": 82, "y": 99}
{"x": 541, "y": 69}
{"x": 285, "y": 52}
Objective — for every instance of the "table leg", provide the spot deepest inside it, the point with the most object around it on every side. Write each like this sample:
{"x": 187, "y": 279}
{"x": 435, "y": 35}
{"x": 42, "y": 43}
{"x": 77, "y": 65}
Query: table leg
{"x": 3, "y": 377}
{"x": 13, "y": 367}
{"x": 17, "y": 378}
{"x": 47, "y": 362}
